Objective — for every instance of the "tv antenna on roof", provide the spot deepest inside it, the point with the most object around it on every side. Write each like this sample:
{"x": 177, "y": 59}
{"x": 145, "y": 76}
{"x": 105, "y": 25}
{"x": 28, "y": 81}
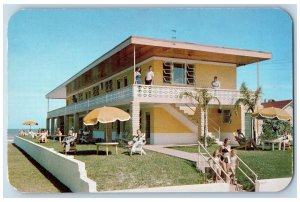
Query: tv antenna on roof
{"x": 173, "y": 35}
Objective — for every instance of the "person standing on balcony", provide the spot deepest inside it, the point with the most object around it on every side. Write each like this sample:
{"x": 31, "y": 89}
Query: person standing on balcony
{"x": 215, "y": 84}
{"x": 74, "y": 99}
{"x": 149, "y": 76}
{"x": 137, "y": 75}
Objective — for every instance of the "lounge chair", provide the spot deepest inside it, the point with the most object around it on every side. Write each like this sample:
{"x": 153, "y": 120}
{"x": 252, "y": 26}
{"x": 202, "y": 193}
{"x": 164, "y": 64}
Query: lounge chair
{"x": 136, "y": 146}
{"x": 243, "y": 144}
{"x": 69, "y": 144}
{"x": 84, "y": 138}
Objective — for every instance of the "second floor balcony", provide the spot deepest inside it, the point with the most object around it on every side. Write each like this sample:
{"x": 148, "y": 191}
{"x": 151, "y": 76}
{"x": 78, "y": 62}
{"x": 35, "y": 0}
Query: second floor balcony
{"x": 144, "y": 94}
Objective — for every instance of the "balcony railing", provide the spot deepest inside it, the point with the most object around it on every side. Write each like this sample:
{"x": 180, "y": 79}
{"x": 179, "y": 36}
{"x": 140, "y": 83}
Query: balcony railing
{"x": 144, "y": 94}
{"x": 172, "y": 94}
{"x": 120, "y": 96}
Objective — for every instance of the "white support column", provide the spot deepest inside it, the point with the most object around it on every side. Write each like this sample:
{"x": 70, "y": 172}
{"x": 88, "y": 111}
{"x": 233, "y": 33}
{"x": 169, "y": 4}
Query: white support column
{"x": 135, "y": 116}
{"x": 52, "y": 126}
{"x": 133, "y": 63}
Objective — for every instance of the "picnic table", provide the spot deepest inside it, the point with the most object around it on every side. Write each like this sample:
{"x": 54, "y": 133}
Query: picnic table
{"x": 107, "y": 144}
{"x": 273, "y": 142}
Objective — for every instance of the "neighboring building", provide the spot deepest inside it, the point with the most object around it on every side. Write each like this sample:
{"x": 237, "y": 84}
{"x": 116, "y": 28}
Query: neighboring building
{"x": 286, "y": 105}
{"x": 158, "y": 110}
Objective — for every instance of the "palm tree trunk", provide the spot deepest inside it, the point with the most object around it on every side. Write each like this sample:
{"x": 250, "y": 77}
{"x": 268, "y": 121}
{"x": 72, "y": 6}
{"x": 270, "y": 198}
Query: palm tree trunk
{"x": 205, "y": 126}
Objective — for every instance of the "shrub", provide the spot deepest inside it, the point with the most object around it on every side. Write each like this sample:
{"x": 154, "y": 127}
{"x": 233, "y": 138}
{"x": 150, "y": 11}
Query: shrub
{"x": 210, "y": 140}
{"x": 274, "y": 128}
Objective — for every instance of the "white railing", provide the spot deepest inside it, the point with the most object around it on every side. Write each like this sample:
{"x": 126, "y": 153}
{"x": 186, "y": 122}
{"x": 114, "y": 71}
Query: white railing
{"x": 111, "y": 98}
{"x": 228, "y": 177}
{"x": 145, "y": 94}
{"x": 173, "y": 94}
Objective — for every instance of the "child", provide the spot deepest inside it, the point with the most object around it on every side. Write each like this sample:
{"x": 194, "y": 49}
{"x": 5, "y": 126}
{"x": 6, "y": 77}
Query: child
{"x": 215, "y": 164}
{"x": 234, "y": 165}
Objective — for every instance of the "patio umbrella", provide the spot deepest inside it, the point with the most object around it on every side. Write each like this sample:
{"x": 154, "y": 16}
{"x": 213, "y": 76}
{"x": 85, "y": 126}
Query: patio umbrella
{"x": 30, "y": 123}
{"x": 272, "y": 113}
{"x": 105, "y": 115}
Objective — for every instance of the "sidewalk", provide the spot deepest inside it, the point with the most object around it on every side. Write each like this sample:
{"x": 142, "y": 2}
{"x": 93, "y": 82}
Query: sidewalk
{"x": 198, "y": 159}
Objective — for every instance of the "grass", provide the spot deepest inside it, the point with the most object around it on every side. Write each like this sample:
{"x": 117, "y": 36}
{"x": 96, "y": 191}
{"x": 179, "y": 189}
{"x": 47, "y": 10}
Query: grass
{"x": 266, "y": 164}
{"x": 122, "y": 171}
{"x": 27, "y": 176}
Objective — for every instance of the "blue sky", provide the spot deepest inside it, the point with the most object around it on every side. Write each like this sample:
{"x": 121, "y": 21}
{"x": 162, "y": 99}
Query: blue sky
{"x": 47, "y": 46}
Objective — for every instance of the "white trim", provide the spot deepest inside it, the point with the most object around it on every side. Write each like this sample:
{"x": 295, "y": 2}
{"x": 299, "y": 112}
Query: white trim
{"x": 200, "y": 47}
{"x": 188, "y": 61}
{"x": 175, "y": 138}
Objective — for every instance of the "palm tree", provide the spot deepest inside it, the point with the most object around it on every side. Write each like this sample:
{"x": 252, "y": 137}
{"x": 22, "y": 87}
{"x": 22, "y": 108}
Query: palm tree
{"x": 249, "y": 99}
{"x": 203, "y": 98}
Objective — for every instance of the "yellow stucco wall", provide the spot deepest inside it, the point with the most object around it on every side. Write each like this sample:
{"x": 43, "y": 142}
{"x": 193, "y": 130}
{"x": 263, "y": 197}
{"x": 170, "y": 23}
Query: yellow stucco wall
{"x": 166, "y": 123}
{"x": 218, "y": 119}
{"x": 206, "y": 72}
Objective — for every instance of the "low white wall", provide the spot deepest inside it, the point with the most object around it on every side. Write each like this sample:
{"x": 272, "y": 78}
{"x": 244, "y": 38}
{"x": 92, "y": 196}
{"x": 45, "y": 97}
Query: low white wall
{"x": 272, "y": 185}
{"x": 174, "y": 138}
{"x": 66, "y": 169}
{"x": 215, "y": 187}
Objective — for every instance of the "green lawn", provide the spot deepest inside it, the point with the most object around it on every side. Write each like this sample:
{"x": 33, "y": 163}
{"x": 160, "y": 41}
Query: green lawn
{"x": 116, "y": 172}
{"x": 27, "y": 176}
{"x": 266, "y": 164}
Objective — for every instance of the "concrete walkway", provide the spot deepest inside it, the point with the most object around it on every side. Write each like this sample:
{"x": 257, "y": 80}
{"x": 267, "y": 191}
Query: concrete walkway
{"x": 198, "y": 159}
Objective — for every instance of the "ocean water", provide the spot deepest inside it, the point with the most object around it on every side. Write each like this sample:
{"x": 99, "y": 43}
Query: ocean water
{"x": 11, "y": 133}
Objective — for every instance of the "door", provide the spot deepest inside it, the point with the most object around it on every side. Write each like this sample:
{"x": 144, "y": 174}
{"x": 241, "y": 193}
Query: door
{"x": 248, "y": 125}
{"x": 148, "y": 130}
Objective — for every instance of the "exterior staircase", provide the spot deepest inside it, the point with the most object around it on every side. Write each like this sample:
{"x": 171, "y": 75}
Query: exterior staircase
{"x": 192, "y": 114}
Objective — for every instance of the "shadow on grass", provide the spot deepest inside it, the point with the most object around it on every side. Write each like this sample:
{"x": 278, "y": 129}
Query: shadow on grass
{"x": 60, "y": 186}
{"x": 87, "y": 153}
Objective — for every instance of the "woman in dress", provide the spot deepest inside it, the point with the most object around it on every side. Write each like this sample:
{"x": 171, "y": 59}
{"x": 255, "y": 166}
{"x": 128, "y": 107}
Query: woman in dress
{"x": 137, "y": 76}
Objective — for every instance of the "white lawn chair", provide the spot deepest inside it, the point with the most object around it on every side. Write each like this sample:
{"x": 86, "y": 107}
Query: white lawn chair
{"x": 137, "y": 145}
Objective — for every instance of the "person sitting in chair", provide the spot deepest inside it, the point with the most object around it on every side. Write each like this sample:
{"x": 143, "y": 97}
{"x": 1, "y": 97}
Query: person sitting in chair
{"x": 242, "y": 139}
{"x": 286, "y": 140}
{"x": 137, "y": 143}
{"x": 68, "y": 141}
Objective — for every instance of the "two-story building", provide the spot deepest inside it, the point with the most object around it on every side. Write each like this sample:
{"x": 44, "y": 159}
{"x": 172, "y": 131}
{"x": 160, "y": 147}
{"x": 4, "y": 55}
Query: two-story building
{"x": 158, "y": 109}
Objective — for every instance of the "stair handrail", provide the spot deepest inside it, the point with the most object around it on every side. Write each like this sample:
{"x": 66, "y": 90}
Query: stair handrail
{"x": 218, "y": 129}
{"x": 256, "y": 176}
{"x": 210, "y": 157}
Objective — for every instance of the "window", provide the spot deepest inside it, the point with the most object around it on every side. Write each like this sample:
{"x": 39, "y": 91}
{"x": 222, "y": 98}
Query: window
{"x": 125, "y": 81}
{"x": 167, "y": 72}
{"x": 118, "y": 83}
{"x": 178, "y": 73}
{"x": 190, "y": 74}
{"x": 96, "y": 91}
{"x": 80, "y": 96}
{"x": 226, "y": 116}
{"x": 108, "y": 86}
{"x": 88, "y": 95}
